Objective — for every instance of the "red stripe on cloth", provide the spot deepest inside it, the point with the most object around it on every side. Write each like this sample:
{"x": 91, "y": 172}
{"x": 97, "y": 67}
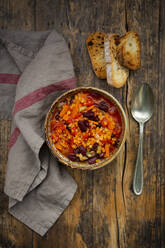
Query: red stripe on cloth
{"x": 41, "y": 93}
{"x": 13, "y": 137}
{"x": 6, "y": 78}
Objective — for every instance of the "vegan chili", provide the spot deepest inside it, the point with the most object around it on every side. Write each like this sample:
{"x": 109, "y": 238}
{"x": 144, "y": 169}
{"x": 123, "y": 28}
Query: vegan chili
{"x": 86, "y": 127}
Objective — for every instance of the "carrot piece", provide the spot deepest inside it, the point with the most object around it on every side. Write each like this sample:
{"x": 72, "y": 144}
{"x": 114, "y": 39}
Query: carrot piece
{"x": 94, "y": 122}
{"x": 64, "y": 110}
{"x": 75, "y": 110}
{"x": 107, "y": 146}
{"x": 111, "y": 122}
{"x": 58, "y": 146}
{"x": 65, "y": 117}
{"x": 91, "y": 107}
{"x": 52, "y": 124}
{"x": 111, "y": 125}
{"x": 55, "y": 138}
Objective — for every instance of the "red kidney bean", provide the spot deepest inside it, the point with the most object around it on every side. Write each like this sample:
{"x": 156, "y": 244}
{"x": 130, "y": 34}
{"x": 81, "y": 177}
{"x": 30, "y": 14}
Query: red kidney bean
{"x": 101, "y": 155}
{"x": 96, "y": 119}
{"x": 71, "y": 99}
{"x": 76, "y": 150}
{"x": 80, "y": 149}
{"x": 95, "y": 145}
{"x": 57, "y": 115}
{"x": 86, "y": 123}
{"x": 73, "y": 157}
{"x": 95, "y": 95}
{"x": 82, "y": 126}
{"x": 116, "y": 143}
{"x": 103, "y": 106}
{"x": 91, "y": 116}
{"x": 92, "y": 160}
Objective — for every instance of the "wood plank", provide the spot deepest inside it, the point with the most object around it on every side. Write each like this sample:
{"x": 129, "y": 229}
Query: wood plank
{"x": 13, "y": 15}
{"x": 161, "y": 124}
{"x": 104, "y": 211}
{"x": 143, "y": 212}
{"x": 109, "y": 219}
{"x": 74, "y": 227}
{"x": 84, "y": 222}
{"x": 110, "y": 215}
{"x": 17, "y": 14}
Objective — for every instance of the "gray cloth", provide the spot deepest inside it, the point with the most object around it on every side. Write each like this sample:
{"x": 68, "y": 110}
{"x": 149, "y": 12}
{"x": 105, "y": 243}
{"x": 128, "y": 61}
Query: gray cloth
{"x": 35, "y": 68}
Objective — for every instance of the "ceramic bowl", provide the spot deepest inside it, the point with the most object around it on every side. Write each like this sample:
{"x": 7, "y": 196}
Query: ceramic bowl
{"x": 83, "y": 165}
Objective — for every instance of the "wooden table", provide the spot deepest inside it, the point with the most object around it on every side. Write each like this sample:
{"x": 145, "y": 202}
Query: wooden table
{"x": 104, "y": 212}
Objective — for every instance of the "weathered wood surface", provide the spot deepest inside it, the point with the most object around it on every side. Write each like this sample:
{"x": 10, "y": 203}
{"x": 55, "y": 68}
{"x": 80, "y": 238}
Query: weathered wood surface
{"x": 104, "y": 212}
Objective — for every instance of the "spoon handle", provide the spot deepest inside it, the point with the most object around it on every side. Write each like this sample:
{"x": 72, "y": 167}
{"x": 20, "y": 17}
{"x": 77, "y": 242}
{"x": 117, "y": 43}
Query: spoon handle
{"x": 138, "y": 175}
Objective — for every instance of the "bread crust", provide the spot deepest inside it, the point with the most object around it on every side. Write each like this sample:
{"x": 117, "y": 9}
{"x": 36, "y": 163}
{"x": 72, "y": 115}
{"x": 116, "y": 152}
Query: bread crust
{"x": 95, "y": 45}
{"x": 112, "y": 56}
{"x": 116, "y": 74}
{"x": 128, "y": 50}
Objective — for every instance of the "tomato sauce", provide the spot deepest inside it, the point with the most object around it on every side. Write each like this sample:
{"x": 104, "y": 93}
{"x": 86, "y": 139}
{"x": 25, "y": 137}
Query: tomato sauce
{"x": 86, "y": 127}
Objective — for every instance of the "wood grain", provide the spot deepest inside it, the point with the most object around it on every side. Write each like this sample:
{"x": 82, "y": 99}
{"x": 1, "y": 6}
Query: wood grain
{"x": 104, "y": 212}
{"x": 143, "y": 217}
{"x": 13, "y": 234}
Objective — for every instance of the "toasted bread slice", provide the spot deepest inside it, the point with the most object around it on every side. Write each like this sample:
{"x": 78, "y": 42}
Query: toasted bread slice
{"x": 95, "y": 45}
{"x": 116, "y": 74}
{"x": 128, "y": 50}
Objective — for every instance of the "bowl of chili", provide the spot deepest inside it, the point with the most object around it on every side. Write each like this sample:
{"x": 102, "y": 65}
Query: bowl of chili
{"x": 85, "y": 128}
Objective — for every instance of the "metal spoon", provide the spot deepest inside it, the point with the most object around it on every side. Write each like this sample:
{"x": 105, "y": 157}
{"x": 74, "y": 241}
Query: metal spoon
{"x": 142, "y": 110}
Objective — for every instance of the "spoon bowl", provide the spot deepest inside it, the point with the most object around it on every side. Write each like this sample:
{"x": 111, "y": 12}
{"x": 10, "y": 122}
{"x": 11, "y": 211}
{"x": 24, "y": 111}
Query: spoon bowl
{"x": 142, "y": 109}
{"x": 143, "y": 104}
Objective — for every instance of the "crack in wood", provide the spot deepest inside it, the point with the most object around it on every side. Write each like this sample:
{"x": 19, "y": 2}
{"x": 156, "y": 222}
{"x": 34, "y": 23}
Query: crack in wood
{"x": 68, "y": 18}
{"x": 126, "y": 23}
{"x": 117, "y": 223}
{"x": 124, "y": 168}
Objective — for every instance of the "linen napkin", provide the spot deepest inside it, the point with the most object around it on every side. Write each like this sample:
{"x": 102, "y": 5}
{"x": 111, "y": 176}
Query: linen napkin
{"x": 35, "y": 68}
